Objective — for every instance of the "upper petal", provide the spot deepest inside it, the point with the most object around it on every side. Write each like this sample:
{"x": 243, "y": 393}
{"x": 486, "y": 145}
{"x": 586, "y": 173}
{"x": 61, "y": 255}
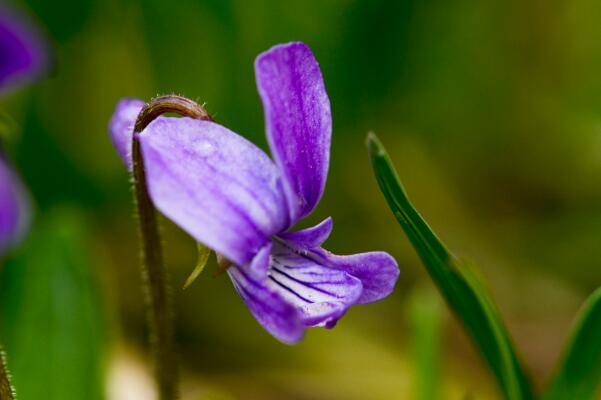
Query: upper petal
{"x": 121, "y": 127}
{"x": 278, "y": 316}
{"x": 213, "y": 183}
{"x": 14, "y": 207}
{"x": 377, "y": 270}
{"x": 23, "y": 52}
{"x": 298, "y": 121}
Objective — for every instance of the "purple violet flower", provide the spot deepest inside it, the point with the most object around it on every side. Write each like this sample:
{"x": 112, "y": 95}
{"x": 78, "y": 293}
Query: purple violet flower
{"x": 23, "y": 51}
{"x": 229, "y": 195}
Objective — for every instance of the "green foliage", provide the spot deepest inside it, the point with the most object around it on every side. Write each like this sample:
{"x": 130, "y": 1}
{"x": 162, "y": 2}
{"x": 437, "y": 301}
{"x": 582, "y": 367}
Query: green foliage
{"x": 462, "y": 290}
{"x": 579, "y": 373}
{"x": 7, "y": 125}
{"x": 64, "y": 182}
{"x": 63, "y": 18}
{"x": 52, "y": 317}
{"x": 425, "y": 313}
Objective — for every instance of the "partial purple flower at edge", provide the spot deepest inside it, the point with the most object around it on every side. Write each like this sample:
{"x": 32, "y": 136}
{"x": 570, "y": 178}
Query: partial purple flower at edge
{"x": 14, "y": 208}
{"x": 229, "y": 195}
{"x": 23, "y": 58}
{"x": 23, "y": 51}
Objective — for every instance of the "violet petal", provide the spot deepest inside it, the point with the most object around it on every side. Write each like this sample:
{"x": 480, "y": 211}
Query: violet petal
{"x": 276, "y": 315}
{"x": 259, "y": 265}
{"x": 322, "y": 294}
{"x": 311, "y": 237}
{"x": 214, "y": 184}
{"x": 377, "y": 270}
{"x": 298, "y": 121}
{"x": 121, "y": 127}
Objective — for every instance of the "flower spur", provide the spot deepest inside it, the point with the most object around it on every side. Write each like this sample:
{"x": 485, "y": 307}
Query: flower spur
{"x": 229, "y": 195}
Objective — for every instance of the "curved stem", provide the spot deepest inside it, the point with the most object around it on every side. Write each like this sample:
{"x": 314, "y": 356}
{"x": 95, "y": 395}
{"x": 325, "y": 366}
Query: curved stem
{"x": 158, "y": 301}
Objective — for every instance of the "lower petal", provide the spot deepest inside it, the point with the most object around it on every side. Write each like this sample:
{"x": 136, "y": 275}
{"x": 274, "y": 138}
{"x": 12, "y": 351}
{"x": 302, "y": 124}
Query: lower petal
{"x": 322, "y": 294}
{"x": 377, "y": 270}
{"x": 324, "y": 314}
{"x": 278, "y": 316}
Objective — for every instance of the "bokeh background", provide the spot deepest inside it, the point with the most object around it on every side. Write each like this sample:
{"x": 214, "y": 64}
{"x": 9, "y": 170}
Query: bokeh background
{"x": 491, "y": 111}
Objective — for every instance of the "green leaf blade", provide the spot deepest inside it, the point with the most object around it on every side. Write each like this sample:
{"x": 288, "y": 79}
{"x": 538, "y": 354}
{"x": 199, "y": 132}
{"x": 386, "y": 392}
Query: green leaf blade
{"x": 426, "y": 320}
{"x": 463, "y": 292}
{"x": 579, "y": 372}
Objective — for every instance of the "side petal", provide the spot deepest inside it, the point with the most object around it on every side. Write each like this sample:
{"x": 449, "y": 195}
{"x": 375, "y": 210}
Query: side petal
{"x": 310, "y": 237}
{"x": 277, "y": 316}
{"x": 298, "y": 121}
{"x": 377, "y": 270}
{"x": 216, "y": 185}
{"x": 14, "y": 208}
{"x": 322, "y": 294}
{"x": 121, "y": 127}
{"x": 260, "y": 264}
{"x": 23, "y": 51}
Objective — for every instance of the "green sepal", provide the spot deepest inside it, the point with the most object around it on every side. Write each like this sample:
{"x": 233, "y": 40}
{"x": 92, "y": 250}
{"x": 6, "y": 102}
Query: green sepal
{"x": 203, "y": 257}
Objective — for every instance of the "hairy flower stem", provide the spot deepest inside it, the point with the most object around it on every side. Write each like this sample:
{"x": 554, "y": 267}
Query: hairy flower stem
{"x": 6, "y": 390}
{"x": 158, "y": 301}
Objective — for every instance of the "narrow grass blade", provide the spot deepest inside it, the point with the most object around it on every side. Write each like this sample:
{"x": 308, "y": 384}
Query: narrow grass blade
{"x": 462, "y": 290}
{"x": 579, "y": 373}
{"x": 426, "y": 315}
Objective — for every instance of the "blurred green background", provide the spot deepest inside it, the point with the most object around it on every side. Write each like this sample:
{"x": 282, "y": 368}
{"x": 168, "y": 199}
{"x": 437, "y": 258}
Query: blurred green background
{"x": 491, "y": 111}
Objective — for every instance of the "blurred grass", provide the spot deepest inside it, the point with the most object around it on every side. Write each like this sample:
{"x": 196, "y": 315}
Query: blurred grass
{"x": 53, "y": 318}
{"x": 579, "y": 372}
{"x": 426, "y": 318}
{"x": 490, "y": 109}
